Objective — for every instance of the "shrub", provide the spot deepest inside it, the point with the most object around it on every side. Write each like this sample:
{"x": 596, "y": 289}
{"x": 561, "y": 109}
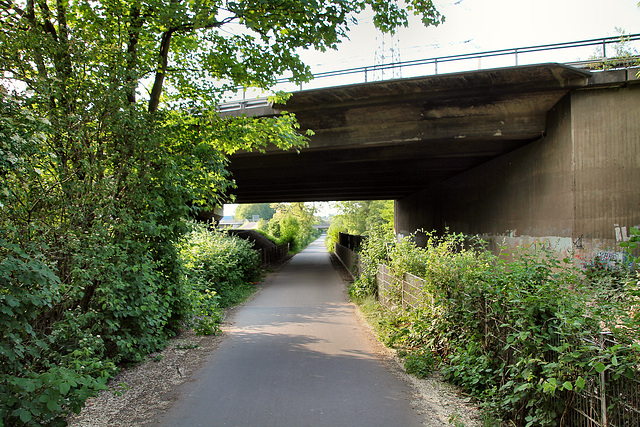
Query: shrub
{"x": 374, "y": 251}
{"x": 218, "y": 266}
{"x": 293, "y": 224}
{"x": 337, "y": 225}
{"x": 523, "y": 336}
{"x": 35, "y": 389}
{"x": 419, "y": 363}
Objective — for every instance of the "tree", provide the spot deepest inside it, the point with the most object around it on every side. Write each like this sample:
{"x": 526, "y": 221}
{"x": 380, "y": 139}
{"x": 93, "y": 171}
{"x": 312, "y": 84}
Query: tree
{"x": 109, "y": 135}
{"x": 247, "y": 211}
{"x": 293, "y": 223}
{"x": 360, "y": 217}
{"x": 624, "y": 55}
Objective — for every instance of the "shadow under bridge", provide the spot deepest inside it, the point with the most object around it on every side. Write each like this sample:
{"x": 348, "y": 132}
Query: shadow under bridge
{"x": 390, "y": 139}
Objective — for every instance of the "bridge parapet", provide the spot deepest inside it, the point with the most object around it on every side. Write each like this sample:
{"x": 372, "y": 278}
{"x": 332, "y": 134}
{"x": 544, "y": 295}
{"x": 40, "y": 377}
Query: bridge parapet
{"x": 565, "y": 53}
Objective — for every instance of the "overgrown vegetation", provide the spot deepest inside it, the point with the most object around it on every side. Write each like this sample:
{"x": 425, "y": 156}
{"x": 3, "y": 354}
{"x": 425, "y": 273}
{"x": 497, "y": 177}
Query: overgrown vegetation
{"x": 109, "y": 139}
{"x": 219, "y": 271}
{"x": 523, "y": 335}
{"x": 359, "y": 218}
{"x": 292, "y": 223}
{"x": 623, "y": 55}
{"x": 83, "y": 349}
{"x": 263, "y": 210}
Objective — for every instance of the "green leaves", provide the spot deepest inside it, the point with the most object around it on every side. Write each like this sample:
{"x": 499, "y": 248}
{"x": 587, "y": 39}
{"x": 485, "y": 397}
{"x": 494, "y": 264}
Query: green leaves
{"x": 523, "y": 336}
{"x": 218, "y": 272}
{"x": 98, "y": 174}
{"x": 632, "y": 243}
{"x": 293, "y": 224}
{"x": 599, "y": 367}
{"x": 48, "y": 396}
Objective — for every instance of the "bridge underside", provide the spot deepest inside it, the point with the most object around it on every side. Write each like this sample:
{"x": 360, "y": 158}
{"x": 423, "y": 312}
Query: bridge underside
{"x": 391, "y": 139}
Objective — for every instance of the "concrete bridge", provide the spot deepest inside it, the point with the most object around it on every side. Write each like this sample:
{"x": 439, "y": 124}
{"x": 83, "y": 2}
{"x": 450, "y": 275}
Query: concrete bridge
{"x": 540, "y": 154}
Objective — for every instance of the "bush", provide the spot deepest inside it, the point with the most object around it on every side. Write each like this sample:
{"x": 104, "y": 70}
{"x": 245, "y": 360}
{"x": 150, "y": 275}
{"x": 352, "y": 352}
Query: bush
{"x": 373, "y": 252}
{"x": 219, "y": 266}
{"x": 35, "y": 389}
{"x": 419, "y": 363}
{"x": 293, "y": 224}
{"x": 336, "y": 226}
{"x": 57, "y": 349}
{"x": 523, "y": 336}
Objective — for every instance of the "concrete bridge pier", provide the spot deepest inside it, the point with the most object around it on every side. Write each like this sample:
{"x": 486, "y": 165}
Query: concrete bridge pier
{"x": 575, "y": 190}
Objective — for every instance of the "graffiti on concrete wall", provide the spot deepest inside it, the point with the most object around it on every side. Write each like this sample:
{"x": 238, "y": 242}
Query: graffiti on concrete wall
{"x": 604, "y": 258}
{"x": 586, "y": 253}
{"x": 610, "y": 260}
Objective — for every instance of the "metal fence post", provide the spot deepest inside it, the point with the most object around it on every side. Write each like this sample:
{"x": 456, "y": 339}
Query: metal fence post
{"x": 603, "y": 400}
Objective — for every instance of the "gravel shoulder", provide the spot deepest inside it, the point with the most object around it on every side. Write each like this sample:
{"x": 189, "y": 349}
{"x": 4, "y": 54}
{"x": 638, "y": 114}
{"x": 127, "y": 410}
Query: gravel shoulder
{"x": 151, "y": 385}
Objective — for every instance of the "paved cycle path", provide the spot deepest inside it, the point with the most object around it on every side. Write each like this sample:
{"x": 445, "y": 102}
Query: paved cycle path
{"x": 295, "y": 356}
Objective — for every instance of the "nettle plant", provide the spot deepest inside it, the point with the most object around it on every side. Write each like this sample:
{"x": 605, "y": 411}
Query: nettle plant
{"x": 219, "y": 271}
{"x": 632, "y": 243}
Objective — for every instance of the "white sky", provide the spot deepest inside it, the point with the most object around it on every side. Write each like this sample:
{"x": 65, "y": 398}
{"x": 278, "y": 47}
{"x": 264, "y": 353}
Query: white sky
{"x": 483, "y": 25}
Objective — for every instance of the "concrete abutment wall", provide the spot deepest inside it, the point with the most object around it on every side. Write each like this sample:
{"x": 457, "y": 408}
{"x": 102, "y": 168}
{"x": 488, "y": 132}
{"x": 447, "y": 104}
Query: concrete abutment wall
{"x": 575, "y": 190}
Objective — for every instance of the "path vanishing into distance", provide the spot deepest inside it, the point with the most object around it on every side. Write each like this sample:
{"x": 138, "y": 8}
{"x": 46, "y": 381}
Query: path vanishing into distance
{"x": 296, "y": 355}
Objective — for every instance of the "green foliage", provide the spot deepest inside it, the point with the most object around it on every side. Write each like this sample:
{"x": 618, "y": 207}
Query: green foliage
{"x": 35, "y": 390}
{"x": 632, "y": 244}
{"x": 373, "y": 252}
{"x": 206, "y": 312}
{"x": 219, "y": 269}
{"x": 336, "y": 226}
{"x": 359, "y": 218}
{"x": 247, "y": 211}
{"x": 624, "y": 55}
{"x": 522, "y": 336}
{"x": 98, "y": 175}
{"x": 419, "y": 363}
{"x": 293, "y": 224}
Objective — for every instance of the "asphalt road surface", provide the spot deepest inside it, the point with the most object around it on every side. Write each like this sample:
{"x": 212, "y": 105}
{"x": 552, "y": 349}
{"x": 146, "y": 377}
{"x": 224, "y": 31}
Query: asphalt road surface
{"x": 296, "y": 355}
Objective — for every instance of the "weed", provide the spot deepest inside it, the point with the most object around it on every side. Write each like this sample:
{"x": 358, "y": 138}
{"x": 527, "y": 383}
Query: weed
{"x": 419, "y": 363}
{"x": 454, "y": 421}
{"x": 521, "y": 336}
{"x": 191, "y": 346}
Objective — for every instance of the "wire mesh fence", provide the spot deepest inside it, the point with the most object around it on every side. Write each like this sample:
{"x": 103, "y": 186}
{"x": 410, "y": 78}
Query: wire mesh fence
{"x": 606, "y": 400}
{"x": 408, "y": 292}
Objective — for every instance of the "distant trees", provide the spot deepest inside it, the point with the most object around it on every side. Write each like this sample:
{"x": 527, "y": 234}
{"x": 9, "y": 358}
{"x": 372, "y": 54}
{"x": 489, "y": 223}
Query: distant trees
{"x": 293, "y": 223}
{"x": 361, "y": 218}
{"x": 247, "y": 211}
{"x": 358, "y": 217}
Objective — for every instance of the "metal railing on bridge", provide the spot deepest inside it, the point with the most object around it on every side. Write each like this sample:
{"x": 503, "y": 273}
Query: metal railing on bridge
{"x": 604, "y": 52}
{"x": 516, "y": 53}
